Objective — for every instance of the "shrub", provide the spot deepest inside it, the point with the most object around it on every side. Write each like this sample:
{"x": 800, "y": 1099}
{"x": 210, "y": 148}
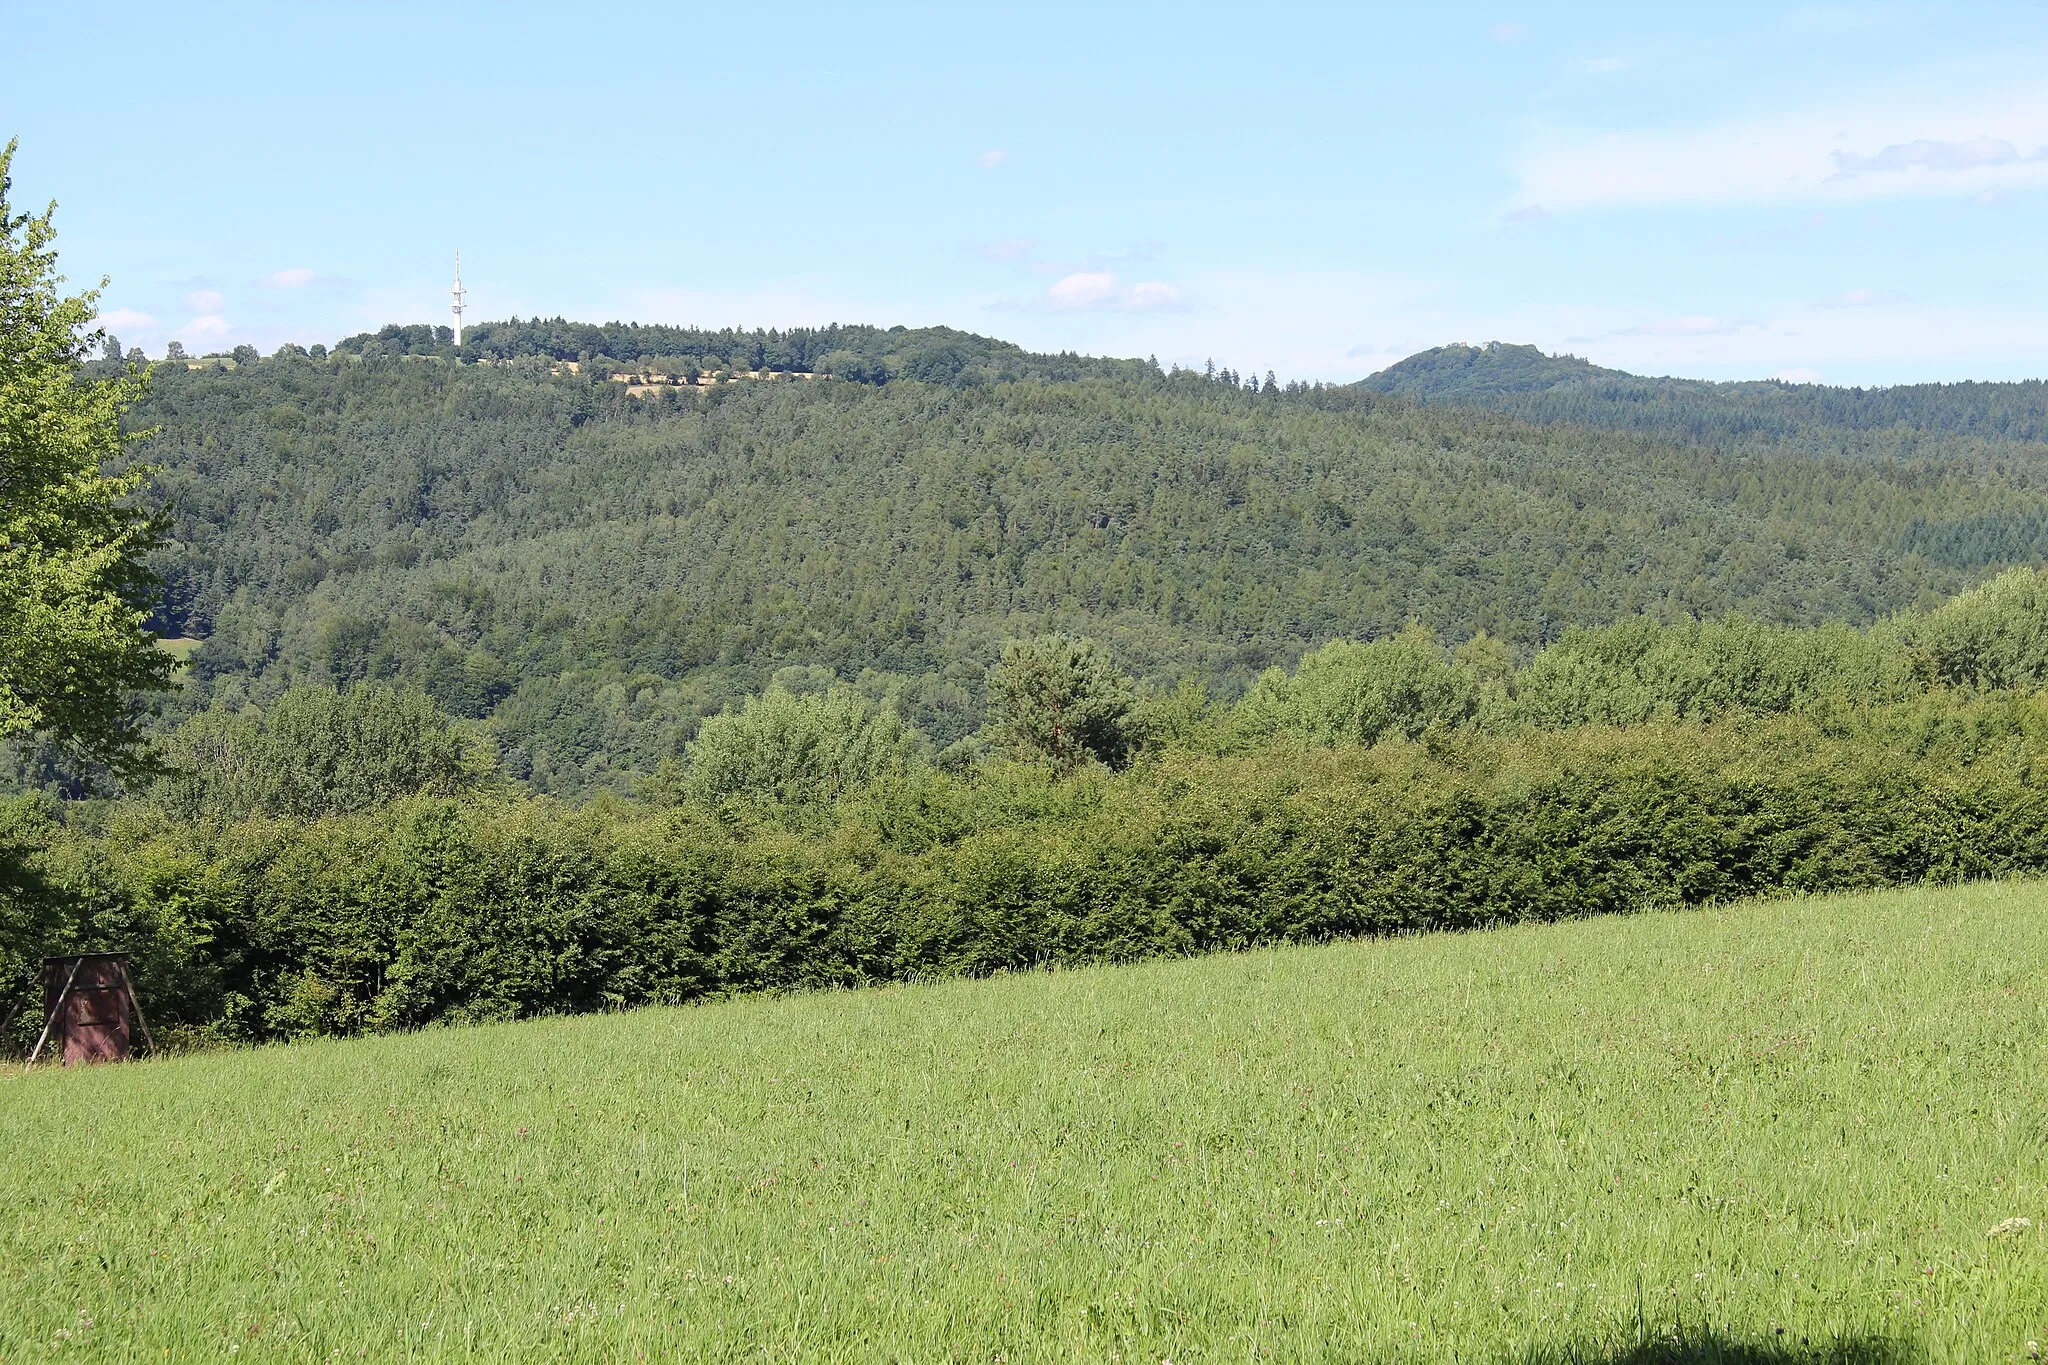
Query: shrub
{"x": 317, "y": 752}
{"x": 798, "y": 750}
{"x": 1994, "y": 636}
{"x": 1348, "y": 693}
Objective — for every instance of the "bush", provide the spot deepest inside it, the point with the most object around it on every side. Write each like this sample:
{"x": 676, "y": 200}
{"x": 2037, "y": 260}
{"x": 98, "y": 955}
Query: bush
{"x": 317, "y": 752}
{"x": 797, "y": 750}
{"x": 1994, "y": 636}
{"x": 1348, "y": 693}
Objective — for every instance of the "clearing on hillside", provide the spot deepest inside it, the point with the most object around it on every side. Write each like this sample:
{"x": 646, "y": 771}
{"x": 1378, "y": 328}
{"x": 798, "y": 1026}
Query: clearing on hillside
{"x": 1805, "y": 1130}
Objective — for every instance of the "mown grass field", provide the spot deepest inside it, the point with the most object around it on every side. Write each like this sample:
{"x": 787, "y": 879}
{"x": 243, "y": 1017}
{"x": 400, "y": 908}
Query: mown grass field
{"x": 1770, "y": 1132}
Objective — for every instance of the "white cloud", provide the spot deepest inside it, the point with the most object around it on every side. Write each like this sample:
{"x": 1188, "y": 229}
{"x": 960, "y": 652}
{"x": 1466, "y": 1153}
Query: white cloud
{"x": 1507, "y": 33}
{"x": 1884, "y": 342}
{"x": 1300, "y": 324}
{"x": 205, "y": 300}
{"x": 298, "y": 277}
{"x": 992, "y": 158}
{"x": 1102, "y": 289}
{"x": 1082, "y": 289}
{"x": 125, "y": 320}
{"x": 1153, "y": 294}
{"x": 211, "y": 327}
{"x": 1895, "y": 145}
{"x": 1603, "y": 66}
{"x": 1854, "y": 298}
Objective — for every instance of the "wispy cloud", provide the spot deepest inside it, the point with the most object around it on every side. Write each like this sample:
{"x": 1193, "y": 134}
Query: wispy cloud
{"x": 125, "y": 320}
{"x": 1103, "y": 289}
{"x": 1930, "y": 155}
{"x": 201, "y": 330}
{"x": 992, "y": 158}
{"x": 1854, "y": 298}
{"x": 298, "y": 277}
{"x": 205, "y": 300}
{"x": 1507, "y": 33}
{"x": 1010, "y": 250}
{"x": 1887, "y": 146}
{"x": 1688, "y": 325}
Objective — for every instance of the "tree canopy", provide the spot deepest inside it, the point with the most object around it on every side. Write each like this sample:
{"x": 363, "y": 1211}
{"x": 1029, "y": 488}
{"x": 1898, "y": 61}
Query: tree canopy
{"x": 74, "y": 592}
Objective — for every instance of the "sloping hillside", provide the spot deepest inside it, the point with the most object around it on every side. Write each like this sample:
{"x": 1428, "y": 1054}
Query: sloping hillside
{"x": 593, "y": 571}
{"x": 1801, "y": 1132}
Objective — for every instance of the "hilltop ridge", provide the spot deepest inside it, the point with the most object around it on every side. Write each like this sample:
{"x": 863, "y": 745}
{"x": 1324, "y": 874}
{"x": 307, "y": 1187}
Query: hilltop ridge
{"x": 1525, "y": 383}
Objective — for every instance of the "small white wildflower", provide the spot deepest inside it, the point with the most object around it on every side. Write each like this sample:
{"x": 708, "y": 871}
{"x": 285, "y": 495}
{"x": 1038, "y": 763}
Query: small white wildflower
{"x": 2010, "y": 1226}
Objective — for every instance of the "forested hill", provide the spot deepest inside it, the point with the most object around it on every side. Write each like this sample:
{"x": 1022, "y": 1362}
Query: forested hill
{"x": 592, "y": 571}
{"x": 1909, "y": 419}
{"x": 872, "y": 355}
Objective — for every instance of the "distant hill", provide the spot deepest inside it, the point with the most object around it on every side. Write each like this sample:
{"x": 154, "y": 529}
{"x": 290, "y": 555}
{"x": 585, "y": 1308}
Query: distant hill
{"x": 1523, "y": 382}
{"x": 1459, "y": 373}
{"x": 869, "y": 355}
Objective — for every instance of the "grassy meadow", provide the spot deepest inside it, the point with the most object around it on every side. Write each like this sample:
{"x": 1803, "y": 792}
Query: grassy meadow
{"x": 1791, "y": 1131}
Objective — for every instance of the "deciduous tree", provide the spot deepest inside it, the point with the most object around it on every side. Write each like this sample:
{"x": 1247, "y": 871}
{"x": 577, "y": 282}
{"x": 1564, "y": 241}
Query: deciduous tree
{"x": 74, "y": 592}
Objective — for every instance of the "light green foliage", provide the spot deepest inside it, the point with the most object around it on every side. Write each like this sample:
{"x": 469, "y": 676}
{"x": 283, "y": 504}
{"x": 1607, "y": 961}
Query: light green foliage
{"x": 1636, "y": 670}
{"x": 1061, "y": 700}
{"x": 798, "y": 750}
{"x": 1779, "y": 1133}
{"x": 72, "y": 587}
{"x": 317, "y": 752}
{"x": 1992, "y": 637}
{"x": 1350, "y": 693}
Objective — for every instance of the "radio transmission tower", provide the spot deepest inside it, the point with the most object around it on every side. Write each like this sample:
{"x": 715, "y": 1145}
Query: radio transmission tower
{"x": 460, "y": 295}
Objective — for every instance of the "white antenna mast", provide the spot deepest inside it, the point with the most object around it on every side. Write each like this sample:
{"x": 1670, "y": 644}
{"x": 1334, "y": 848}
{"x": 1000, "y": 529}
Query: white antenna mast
{"x": 460, "y": 295}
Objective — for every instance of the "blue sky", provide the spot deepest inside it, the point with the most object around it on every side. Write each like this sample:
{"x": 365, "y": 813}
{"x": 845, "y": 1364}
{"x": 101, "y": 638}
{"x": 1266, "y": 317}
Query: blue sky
{"x": 1855, "y": 193}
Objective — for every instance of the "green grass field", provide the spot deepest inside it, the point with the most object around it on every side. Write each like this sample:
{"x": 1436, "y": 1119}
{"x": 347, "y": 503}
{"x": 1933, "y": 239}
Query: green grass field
{"x": 1779, "y": 1132}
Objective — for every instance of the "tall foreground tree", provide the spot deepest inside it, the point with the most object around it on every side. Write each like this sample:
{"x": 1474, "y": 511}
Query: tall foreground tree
{"x": 73, "y": 589}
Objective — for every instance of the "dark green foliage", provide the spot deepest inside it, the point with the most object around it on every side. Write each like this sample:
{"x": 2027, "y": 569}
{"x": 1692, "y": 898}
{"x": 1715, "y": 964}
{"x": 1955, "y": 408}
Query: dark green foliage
{"x": 1062, "y": 701}
{"x": 868, "y": 355}
{"x": 593, "y": 573}
{"x": 2019, "y": 537}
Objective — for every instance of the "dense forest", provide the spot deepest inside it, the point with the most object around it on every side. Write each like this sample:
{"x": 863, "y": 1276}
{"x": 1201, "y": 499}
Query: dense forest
{"x": 510, "y": 688}
{"x": 590, "y": 572}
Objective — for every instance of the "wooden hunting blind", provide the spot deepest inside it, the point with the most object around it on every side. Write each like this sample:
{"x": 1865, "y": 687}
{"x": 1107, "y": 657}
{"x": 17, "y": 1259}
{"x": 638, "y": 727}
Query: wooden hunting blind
{"x": 88, "y": 1009}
